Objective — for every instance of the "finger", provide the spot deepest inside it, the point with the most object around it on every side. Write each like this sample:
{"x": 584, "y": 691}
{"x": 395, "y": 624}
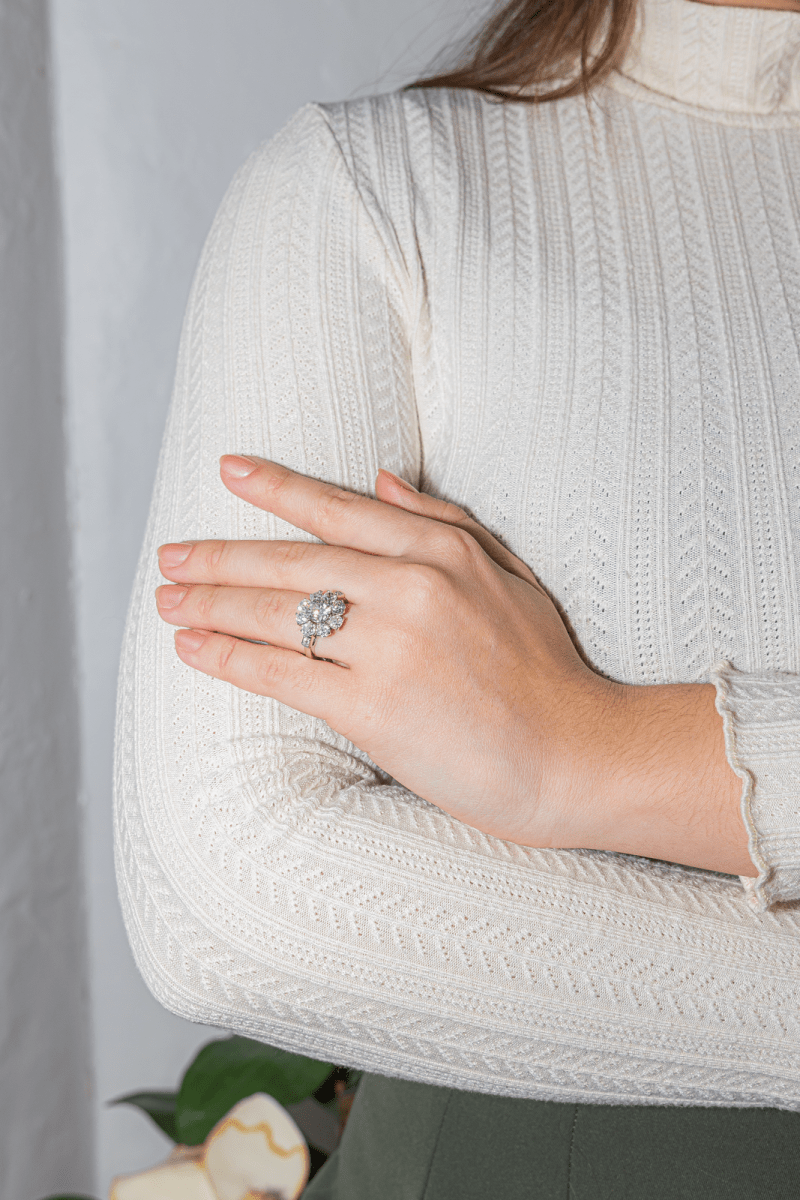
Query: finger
{"x": 290, "y": 566}
{"x": 309, "y": 685}
{"x": 330, "y": 513}
{"x": 393, "y": 490}
{"x": 260, "y": 614}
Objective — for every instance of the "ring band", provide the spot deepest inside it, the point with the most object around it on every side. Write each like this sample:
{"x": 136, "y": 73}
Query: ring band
{"x": 319, "y": 615}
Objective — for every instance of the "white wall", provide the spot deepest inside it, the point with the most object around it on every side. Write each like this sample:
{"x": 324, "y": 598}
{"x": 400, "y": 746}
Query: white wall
{"x": 45, "y": 1135}
{"x": 158, "y": 101}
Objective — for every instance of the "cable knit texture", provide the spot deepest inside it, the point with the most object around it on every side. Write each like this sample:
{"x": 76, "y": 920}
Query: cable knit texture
{"x": 582, "y": 323}
{"x": 761, "y": 714}
{"x": 743, "y": 61}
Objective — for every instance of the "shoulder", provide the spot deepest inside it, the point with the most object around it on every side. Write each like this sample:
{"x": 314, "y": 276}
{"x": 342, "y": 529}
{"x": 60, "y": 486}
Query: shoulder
{"x": 404, "y": 167}
{"x": 415, "y": 135}
{"x": 410, "y": 120}
{"x": 375, "y": 166}
{"x": 421, "y": 142}
{"x": 386, "y": 144}
{"x": 407, "y": 122}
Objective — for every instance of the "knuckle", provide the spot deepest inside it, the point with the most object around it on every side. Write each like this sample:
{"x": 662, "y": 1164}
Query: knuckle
{"x": 458, "y": 547}
{"x": 215, "y": 552}
{"x": 277, "y": 480}
{"x": 293, "y": 554}
{"x": 462, "y": 542}
{"x": 452, "y": 513}
{"x": 273, "y": 670}
{"x": 202, "y": 600}
{"x": 333, "y": 503}
{"x": 268, "y": 610}
{"x": 226, "y": 651}
{"x": 422, "y": 584}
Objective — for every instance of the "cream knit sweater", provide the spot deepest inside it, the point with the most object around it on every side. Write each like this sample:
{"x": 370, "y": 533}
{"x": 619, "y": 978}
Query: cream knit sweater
{"x": 583, "y": 324}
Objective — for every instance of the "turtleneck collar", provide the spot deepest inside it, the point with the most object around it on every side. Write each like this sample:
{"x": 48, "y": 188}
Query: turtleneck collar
{"x": 716, "y": 57}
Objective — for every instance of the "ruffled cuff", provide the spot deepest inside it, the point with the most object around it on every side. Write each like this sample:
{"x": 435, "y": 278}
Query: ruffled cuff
{"x": 761, "y": 715}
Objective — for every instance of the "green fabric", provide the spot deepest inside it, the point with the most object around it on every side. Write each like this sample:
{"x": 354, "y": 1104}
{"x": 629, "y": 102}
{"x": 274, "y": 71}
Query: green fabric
{"x": 408, "y": 1141}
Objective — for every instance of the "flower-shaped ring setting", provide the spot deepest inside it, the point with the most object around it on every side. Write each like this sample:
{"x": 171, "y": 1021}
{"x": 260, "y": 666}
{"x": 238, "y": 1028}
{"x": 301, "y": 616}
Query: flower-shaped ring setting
{"x": 320, "y": 615}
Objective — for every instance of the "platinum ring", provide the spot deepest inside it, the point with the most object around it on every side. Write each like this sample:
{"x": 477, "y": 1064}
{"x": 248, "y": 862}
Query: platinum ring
{"x": 319, "y": 615}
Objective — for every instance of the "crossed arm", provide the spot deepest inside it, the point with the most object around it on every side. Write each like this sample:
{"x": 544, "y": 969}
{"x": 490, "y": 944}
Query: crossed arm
{"x": 455, "y": 673}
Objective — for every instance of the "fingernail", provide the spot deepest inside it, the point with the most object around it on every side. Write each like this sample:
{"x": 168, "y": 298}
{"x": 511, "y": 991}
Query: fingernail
{"x": 239, "y": 465}
{"x": 174, "y": 554}
{"x": 189, "y": 640}
{"x": 169, "y": 596}
{"x": 409, "y": 487}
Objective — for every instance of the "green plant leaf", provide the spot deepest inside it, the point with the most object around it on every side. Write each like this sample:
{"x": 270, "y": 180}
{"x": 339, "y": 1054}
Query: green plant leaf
{"x": 228, "y": 1070}
{"x": 159, "y": 1106}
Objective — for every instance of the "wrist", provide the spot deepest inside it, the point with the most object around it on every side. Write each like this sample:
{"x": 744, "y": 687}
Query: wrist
{"x": 654, "y": 771}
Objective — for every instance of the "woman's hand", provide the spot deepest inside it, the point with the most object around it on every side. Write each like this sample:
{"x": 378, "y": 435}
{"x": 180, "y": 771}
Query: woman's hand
{"x": 455, "y": 673}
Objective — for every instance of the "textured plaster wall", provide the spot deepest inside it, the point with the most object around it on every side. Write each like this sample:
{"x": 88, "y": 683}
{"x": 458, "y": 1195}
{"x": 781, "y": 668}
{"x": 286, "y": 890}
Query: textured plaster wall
{"x": 158, "y": 101}
{"x": 45, "y": 1082}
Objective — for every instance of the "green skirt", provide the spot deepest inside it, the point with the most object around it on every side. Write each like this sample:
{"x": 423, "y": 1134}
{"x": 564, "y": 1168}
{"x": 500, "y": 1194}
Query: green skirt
{"x": 409, "y": 1141}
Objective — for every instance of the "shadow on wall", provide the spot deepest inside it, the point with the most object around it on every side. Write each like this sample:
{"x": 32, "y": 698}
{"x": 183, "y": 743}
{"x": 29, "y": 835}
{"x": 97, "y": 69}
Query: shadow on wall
{"x": 150, "y": 107}
{"x": 45, "y": 1117}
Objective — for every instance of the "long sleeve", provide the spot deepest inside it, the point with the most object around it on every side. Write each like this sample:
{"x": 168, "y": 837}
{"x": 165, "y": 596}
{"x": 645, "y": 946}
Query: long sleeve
{"x": 761, "y": 715}
{"x": 273, "y": 880}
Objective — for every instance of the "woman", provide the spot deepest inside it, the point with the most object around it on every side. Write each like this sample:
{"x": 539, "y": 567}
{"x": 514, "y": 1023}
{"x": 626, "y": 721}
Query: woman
{"x": 485, "y": 839}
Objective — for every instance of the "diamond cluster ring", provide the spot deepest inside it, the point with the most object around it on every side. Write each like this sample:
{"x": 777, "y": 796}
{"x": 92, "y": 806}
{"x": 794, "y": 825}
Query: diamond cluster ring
{"x": 319, "y": 615}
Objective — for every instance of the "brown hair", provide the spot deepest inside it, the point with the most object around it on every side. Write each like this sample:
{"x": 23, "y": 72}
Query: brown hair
{"x": 536, "y": 50}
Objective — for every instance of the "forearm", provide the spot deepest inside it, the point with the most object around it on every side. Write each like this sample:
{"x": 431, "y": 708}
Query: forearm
{"x": 661, "y": 785}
